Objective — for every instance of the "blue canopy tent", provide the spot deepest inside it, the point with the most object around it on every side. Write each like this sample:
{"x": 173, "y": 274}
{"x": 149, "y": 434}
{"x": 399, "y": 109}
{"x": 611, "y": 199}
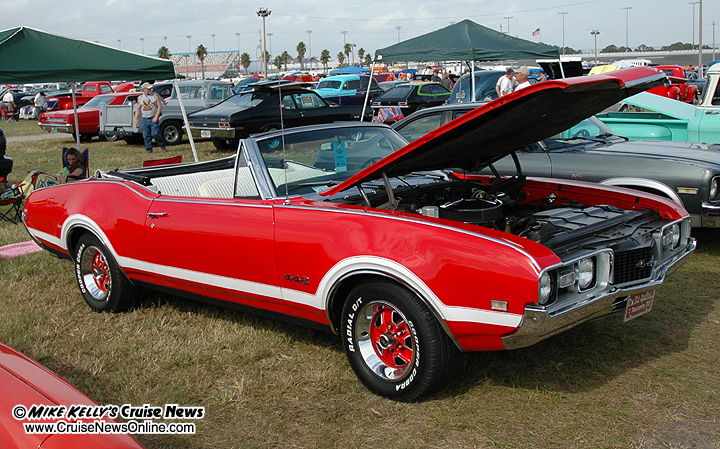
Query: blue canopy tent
{"x": 350, "y": 70}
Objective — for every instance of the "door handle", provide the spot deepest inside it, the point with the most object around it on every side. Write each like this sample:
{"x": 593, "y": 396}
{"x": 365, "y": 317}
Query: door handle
{"x": 712, "y": 112}
{"x": 157, "y": 214}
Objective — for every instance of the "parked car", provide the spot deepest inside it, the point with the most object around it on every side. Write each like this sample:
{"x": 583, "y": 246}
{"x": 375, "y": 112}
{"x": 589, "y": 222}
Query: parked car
{"x": 245, "y": 85}
{"x": 387, "y": 85}
{"x": 685, "y": 172}
{"x": 485, "y": 81}
{"x": 260, "y": 111}
{"x": 413, "y": 96}
{"x": 347, "y": 90}
{"x": 88, "y": 116}
{"x": 27, "y": 383}
{"x": 666, "y": 119}
{"x": 679, "y": 87}
{"x": 119, "y": 120}
{"x": 308, "y": 223}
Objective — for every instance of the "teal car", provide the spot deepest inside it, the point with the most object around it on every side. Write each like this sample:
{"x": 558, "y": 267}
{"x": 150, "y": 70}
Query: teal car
{"x": 667, "y": 119}
{"x": 348, "y": 89}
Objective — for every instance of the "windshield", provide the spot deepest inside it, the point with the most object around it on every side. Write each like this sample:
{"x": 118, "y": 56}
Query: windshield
{"x": 314, "y": 160}
{"x": 587, "y": 129}
{"x": 97, "y": 102}
{"x": 329, "y": 84}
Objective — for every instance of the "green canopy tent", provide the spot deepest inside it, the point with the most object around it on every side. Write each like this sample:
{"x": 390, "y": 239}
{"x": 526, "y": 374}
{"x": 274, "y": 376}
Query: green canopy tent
{"x": 28, "y": 55}
{"x": 465, "y": 41}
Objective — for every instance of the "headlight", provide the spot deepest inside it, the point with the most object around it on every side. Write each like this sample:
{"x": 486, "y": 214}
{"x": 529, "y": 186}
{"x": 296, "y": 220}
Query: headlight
{"x": 545, "y": 290}
{"x": 671, "y": 236}
{"x": 586, "y": 273}
{"x": 715, "y": 189}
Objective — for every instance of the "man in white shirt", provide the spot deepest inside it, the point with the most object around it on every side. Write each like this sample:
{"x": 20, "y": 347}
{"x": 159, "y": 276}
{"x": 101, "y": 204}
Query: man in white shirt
{"x": 504, "y": 84}
{"x": 522, "y": 76}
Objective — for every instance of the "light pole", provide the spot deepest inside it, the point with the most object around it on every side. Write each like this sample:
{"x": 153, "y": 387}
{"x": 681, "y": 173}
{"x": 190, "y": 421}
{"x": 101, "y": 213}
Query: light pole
{"x": 700, "y": 45}
{"x": 119, "y": 43}
{"x": 563, "y": 30}
{"x": 187, "y": 71}
{"x": 213, "y": 36}
{"x": 693, "y": 35}
{"x": 344, "y": 33}
{"x": 595, "y": 35}
{"x": 264, "y": 12}
{"x": 713, "y": 24}
{"x": 627, "y": 25}
{"x": 269, "y": 35}
{"x": 142, "y": 45}
{"x": 398, "y": 28}
{"x": 309, "y": 32}
{"x": 238, "y": 59}
{"x": 165, "y": 39}
{"x": 508, "y": 27}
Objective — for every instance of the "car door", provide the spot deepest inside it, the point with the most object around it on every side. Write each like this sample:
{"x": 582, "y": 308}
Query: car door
{"x": 221, "y": 248}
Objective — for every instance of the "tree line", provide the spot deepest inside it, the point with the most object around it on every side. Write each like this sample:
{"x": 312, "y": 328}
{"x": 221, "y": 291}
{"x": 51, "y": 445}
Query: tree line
{"x": 612, "y": 48}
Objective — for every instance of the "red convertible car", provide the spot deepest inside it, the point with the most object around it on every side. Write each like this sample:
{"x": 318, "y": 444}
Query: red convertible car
{"x": 400, "y": 249}
{"x": 88, "y": 116}
{"x": 26, "y": 383}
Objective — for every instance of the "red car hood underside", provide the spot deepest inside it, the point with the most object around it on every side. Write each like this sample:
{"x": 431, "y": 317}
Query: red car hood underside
{"x": 494, "y": 130}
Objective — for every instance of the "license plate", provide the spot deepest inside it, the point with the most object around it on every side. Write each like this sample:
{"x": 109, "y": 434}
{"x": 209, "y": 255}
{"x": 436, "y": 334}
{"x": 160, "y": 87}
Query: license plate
{"x": 53, "y": 129}
{"x": 204, "y": 133}
{"x": 639, "y": 304}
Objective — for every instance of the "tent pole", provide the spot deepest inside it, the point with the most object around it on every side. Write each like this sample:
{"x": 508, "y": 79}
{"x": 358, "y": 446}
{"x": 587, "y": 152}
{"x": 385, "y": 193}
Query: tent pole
{"x": 472, "y": 75}
{"x": 77, "y": 126}
{"x": 184, "y": 114}
{"x": 367, "y": 92}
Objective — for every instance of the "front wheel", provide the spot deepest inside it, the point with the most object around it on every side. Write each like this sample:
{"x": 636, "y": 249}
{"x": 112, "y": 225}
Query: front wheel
{"x": 394, "y": 344}
{"x": 109, "y": 138}
{"x": 171, "y": 132}
{"x": 225, "y": 144}
{"x": 103, "y": 285}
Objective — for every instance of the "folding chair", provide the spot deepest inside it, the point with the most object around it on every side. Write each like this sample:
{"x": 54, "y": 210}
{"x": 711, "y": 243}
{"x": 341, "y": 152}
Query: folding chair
{"x": 166, "y": 161}
{"x": 12, "y": 197}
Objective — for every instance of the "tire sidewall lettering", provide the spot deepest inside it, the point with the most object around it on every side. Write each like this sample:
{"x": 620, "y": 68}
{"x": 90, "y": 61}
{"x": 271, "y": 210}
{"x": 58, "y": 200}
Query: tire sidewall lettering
{"x": 416, "y": 363}
{"x": 78, "y": 273}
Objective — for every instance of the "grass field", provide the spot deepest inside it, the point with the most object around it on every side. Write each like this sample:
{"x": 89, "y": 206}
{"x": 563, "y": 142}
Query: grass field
{"x": 651, "y": 383}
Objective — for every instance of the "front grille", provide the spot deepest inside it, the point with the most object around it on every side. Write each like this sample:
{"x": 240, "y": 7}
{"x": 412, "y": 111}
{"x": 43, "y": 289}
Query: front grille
{"x": 633, "y": 265}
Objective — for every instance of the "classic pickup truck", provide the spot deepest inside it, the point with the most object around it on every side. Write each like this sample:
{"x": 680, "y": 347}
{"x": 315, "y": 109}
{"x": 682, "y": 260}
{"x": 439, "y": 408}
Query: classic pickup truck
{"x": 119, "y": 120}
{"x": 89, "y": 90}
{"x": 669, "y": 119}
{"x": 680, "y": 87}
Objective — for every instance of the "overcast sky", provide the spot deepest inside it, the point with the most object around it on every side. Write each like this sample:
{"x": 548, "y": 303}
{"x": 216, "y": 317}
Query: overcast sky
{"x": 370, "y": 24}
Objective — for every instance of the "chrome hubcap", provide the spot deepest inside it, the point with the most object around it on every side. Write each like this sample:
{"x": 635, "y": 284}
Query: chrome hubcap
{"x": 385, "y": 340}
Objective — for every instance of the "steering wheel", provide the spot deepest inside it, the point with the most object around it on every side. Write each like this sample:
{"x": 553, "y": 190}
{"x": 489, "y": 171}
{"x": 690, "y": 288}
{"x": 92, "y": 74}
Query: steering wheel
{"x": 582, "y": 133}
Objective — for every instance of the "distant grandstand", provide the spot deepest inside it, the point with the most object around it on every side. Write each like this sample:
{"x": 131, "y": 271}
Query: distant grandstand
{"x": 216, "y": 64}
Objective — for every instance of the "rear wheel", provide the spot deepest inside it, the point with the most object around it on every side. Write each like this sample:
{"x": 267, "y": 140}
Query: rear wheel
{"x": 171, "y": 132}
{"x": 103, "y": 285}
{"x": 386, "y": 332}
{"x": 269, "y": 128}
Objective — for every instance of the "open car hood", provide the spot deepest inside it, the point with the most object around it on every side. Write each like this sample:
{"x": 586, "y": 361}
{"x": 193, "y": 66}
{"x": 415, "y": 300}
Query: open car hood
{"x": 490, "y": 132}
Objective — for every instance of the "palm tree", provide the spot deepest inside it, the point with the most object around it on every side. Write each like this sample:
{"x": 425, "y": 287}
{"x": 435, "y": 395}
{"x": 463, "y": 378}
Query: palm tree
{"x": 278, "y": 62}
{"x": 163, "y": 52}
{"x": 368, "y": 59}
{"x": 285, "y": 56}
{"x": 361, "y": 54}
{"x": 341, "y": 58}
{"x": 347, "y": 50}
{"x": 245, "y": 61}
{"x": 301, "y": 49}
{"x": 325, "y": 58}
{"x": 201, "y": 53}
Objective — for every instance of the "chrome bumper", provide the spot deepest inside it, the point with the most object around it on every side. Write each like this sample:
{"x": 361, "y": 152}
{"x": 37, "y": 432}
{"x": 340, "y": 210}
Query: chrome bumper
{"x": 220, "y": 133}
{"x": 49, "y": 127}
{"x": 710, "y": 215}
{"x": 538, "y": 323}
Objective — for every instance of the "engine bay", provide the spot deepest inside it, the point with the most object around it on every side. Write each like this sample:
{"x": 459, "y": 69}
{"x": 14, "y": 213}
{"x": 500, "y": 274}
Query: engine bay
{"x": 556, "y": 222}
